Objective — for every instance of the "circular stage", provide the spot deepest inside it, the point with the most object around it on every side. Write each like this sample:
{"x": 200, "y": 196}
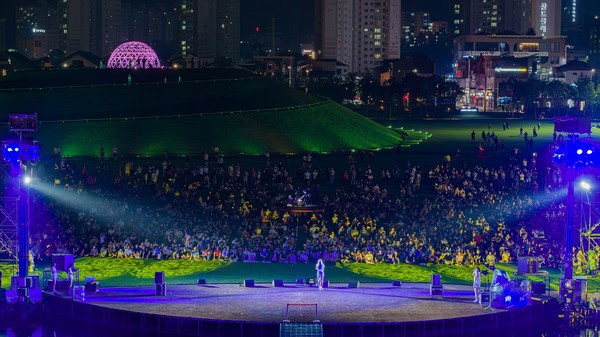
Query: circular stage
{"x": 264, "y": 303}
{"x": 231, "y": 310}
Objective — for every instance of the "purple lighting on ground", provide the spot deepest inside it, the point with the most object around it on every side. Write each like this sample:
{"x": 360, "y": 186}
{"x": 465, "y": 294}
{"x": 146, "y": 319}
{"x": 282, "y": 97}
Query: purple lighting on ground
{"x": 133, "y": 55}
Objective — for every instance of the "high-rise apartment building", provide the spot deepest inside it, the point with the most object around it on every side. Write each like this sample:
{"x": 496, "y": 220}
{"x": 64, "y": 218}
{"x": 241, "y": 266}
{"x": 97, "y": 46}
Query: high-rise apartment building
{"x": 546, "y": 17}
{"x": 3, "y": 34}
{"x": 358, "y": 33}
{"x": 75, "y": 22}
{"x": 524, "y": 17}
{"x": 459, "y": 19}
{"x": 489, "y": 16}
{"x": 595, "y": 39}
{"x": 418, "y": 31}
{"x": 210, "y": 28}
{"x": 573, "y": 28}
{"x": 107, "y": 30}
{"x": 32, "y": 23}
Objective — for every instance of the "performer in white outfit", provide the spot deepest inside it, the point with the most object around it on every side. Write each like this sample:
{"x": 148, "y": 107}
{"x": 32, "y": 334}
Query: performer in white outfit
{"x": 320, "y": 267}
{"x": 477, "y": 283}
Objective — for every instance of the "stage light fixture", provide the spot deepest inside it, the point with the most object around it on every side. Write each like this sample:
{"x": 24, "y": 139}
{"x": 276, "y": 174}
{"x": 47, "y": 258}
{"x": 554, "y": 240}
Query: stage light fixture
{"x": 585, "y": 185}
{"x": 27, "y": 180}
{"x": 579, "y": 151}
{"x": 588, "y": 152}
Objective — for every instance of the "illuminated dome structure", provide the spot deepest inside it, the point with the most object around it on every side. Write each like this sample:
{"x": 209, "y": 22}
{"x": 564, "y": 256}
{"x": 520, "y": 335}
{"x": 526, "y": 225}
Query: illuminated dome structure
{"x": 133, "y": 55}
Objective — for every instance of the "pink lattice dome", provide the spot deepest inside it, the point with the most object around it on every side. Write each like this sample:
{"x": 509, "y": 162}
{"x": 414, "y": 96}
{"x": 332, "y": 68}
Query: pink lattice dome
{"x": 133, "y": 55}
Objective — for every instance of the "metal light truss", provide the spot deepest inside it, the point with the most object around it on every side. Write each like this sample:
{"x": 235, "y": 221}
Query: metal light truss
{"x": 133, "y": 55}
{"x": 590, "y": 225}
{"x": 8, "y": 226}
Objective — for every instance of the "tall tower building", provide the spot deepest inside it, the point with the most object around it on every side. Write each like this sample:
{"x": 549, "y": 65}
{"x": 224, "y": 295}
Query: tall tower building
{"x": 228, "y": 29}
{"x": 595, "y": 39}
{"x": 3, "y": 34}
{"x": 573, "y": 28}
{"x": 459, "y": 21}
{"x": 546, "y": 17}
{"x": 77, "y": 19}
{"x": 107, "y": 32}
{"x": 489, "y": 16}
{"x": 32, "y": 25}
{"x": 188, "y": 13}
{"x": 540, "y": 17}
{"x": 210, "y": 28}
{"x": 358, "y": 33}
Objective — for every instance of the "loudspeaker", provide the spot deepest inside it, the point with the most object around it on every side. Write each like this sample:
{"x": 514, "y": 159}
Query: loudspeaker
{"x": 23, "y": 292}
{"x": 396, "y": 284}
{"x": 201, "y": 281}
{"x": 159, "y": 277}
{"x": 79, "y": 293}
{"x": 579, "y": 289}
{"x": 353, "y": 284}
{"x": 538, "y": 288}
{"x": 248, "y": 283}
{"x": 63, "y": 261}
{"x": 299, "y": 281}
{"x": 35, "y": 281}
{"x": 91, "y": 287}
{"x": 277, "y": 283}
{"x": 485, "y": 297}
{"x": 325, "y": 283}
{"x": 436, "y": 288}
{"x": 161, "y": 289}
{"x": 60, "y": 285}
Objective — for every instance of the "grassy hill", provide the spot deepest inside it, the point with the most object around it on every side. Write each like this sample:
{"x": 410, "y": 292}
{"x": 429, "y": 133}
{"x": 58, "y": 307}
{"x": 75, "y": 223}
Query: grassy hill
{"x": 113, "y": 272}
{"x": 245, "y": 114}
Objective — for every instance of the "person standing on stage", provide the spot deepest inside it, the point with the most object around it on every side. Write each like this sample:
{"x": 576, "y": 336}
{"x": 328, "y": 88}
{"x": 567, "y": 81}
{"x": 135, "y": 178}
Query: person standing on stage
{"x": 70, "y": 272}
{"x": 320, "y": 267}
{"x": 54, "y": 277}
{"x": 477, "y": 284}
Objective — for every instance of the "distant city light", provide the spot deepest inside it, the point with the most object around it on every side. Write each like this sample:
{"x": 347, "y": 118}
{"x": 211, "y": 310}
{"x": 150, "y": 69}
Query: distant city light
{"x": 510, "y": 70}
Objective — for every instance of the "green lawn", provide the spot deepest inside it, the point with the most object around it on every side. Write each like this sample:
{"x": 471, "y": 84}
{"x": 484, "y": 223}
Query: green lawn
{"x": 120, "y": 272}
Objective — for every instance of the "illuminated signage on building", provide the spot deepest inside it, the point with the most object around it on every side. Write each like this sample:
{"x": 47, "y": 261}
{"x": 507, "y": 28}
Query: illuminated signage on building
{"x": 543, "y": 18}
{"x": 574, "y": 10}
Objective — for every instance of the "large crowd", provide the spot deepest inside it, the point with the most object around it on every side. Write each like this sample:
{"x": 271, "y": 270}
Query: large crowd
{"x": 213, "y": 208}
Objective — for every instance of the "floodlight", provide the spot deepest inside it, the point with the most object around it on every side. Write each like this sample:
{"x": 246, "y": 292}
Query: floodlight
{"x": 579, "y": 151}
{"x": 585, "y": 185}
{"x": 27, "y": 180}
{"x": 589, "y": 151}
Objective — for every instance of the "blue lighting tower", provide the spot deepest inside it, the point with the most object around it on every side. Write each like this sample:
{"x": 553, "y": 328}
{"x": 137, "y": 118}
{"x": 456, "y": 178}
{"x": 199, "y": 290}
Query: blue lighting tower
{"x": 576, "y": 154}
{"x": 18, "y": 152}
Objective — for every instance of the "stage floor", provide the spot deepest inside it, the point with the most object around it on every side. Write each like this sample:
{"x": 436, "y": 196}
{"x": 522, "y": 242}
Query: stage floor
{"x": 371, "y": 302}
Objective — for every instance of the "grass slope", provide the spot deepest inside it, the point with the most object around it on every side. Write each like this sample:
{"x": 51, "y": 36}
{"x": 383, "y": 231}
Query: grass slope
{"x": 246, "y": 114}
{"x": 113, "y": 272}
{"x": 322, "y": 128}
{"x": 152, "y": 99}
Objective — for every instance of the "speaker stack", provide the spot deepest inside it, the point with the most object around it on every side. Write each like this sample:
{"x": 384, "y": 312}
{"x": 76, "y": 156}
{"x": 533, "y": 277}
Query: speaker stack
{"x": 248, "y": 283}
{"x": 353, "y": 284}
{"x": 160, "y": 283}
{"x": 277, "y": 283}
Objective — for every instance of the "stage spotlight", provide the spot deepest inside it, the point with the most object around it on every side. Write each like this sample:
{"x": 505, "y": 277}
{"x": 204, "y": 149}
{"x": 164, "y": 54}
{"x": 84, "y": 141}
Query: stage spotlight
{"x": 579, "y": 151}
{"x": 585, "y": 185}
{"x": 27, "y": 180}
{"x": 589, "y": 151}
